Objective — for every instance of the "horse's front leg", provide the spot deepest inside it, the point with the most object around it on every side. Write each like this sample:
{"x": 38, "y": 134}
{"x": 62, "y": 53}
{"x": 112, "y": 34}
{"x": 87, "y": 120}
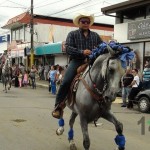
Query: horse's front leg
{"x": 84, "y": 127}
{"x": 5, "y": 87}
{"x": 9, "y": 84}
{"x": 120, "y": 139}
{"x": 71, "y": 132}
{"x": 61, "y": 124}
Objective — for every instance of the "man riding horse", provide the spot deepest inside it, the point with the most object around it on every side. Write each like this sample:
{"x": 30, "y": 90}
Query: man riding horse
{"x": 79, "y": 44}
{"x": 6, "y": 72}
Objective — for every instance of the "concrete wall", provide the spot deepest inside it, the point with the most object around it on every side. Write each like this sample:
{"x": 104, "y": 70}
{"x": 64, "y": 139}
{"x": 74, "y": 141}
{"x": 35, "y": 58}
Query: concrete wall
{"x": 121, "y": 34}
{"x": 55, "y": 33}
{"x": 3, "y": 46}
{"x": 61, "y": 60}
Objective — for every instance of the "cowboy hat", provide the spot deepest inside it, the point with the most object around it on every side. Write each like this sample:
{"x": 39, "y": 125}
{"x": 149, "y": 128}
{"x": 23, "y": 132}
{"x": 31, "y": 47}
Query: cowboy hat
{"x": 83, "y": 15}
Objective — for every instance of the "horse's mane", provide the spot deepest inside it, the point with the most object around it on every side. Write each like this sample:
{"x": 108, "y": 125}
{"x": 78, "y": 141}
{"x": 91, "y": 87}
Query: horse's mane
{"x": 101, "y": 62}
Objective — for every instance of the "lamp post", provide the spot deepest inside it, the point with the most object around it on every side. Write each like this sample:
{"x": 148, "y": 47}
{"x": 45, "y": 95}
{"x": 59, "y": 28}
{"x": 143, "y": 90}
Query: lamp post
{"x": 31, "y": 32}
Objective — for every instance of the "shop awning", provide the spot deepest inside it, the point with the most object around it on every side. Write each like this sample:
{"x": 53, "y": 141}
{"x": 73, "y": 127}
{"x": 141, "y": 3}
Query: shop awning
{"x": 52, "y": 48}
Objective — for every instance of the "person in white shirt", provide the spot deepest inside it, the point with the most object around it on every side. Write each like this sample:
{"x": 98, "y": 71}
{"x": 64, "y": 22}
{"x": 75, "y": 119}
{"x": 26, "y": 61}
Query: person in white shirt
{"x": 134, "y": 91}
{"x": 46, "y": 70}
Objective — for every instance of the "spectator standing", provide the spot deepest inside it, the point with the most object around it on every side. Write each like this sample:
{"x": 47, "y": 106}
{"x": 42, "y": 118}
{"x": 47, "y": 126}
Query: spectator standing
{"x": 0, "y": 71}
{"x": 16, "y": 74}
{"x": 32, "y": 74}
{"x": 46, "y": 70}
{"x": 60, "y": 77}
{"x": 125, "y": 82}
{"x": 22, "y": 69}
{"x": 146, "y": 76}
{"x": 52, "y": 75}
{"x": 40, "y": 71}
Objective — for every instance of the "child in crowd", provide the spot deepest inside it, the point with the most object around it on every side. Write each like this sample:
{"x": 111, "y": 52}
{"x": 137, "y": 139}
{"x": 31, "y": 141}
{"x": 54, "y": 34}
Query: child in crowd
{"x": 25, "y": 78}
{"x": 20, "y": 79}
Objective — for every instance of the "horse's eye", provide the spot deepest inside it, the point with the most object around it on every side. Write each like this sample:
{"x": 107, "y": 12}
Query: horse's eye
{"x": 111, "y": 70}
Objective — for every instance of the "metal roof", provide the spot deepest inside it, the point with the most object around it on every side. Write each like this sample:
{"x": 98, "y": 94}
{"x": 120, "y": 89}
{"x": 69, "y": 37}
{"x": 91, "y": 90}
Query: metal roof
{"x": 124, "y": 6}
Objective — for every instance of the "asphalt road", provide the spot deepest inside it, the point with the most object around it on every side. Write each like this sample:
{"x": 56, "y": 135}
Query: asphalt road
{"x": 26, "y": 124}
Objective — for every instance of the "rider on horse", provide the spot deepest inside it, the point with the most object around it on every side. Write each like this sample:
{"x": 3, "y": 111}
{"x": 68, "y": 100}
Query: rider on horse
{"x": 79, "y": 44}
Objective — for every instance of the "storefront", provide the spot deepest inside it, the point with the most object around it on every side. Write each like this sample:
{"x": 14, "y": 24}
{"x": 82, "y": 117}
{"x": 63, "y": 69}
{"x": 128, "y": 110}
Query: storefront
{"x": 4, "y": 41}
{"x": 52, "y": 53}
{"x": 132, "y": 28}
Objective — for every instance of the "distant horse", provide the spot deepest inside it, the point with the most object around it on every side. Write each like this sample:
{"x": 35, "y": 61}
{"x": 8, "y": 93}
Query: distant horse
{"x": 96, "y": 91}
{"x": 6, "y": 75}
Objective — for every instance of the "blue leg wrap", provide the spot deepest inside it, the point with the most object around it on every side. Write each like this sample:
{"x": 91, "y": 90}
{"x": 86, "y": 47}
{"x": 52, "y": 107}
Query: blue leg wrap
{"x": 61, "y": 122}
{"x": 120, "y": 141}
{"x": 70, "y": 134}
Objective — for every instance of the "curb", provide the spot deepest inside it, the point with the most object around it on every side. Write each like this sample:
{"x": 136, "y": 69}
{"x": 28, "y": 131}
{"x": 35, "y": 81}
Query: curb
{"x": 118, "y": 100}
{"x": 42, "y": 85}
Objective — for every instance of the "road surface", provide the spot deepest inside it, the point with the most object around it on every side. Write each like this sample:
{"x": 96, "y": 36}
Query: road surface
{"x": 26, "y": 124}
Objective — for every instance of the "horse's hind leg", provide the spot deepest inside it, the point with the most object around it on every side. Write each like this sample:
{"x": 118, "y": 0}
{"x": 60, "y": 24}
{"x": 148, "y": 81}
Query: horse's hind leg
{"x": 120, "y": 139}
{"x": 84, "y": 127}
{"x": 71, "y": 132}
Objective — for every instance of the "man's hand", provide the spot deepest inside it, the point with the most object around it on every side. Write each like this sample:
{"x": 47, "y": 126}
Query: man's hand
{"x": 87, "y": 52}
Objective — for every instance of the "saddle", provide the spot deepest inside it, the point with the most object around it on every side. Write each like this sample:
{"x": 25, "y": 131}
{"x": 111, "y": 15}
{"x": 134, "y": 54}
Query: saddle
{"x": 74, "y": 85}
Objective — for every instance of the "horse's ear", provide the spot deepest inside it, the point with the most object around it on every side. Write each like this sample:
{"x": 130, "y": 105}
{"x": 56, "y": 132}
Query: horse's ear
{"x": 110, "y": 50}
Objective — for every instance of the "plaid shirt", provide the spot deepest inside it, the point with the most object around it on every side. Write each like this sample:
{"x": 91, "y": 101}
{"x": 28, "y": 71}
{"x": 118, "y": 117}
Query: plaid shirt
{"x": 76, "y": 42}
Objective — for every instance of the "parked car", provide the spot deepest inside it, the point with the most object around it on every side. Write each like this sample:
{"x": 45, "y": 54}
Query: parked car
{"x": 143, "y": 100}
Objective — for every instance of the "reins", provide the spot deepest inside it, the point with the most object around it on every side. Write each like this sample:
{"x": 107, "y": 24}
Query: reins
{"x": 98, "y": 96}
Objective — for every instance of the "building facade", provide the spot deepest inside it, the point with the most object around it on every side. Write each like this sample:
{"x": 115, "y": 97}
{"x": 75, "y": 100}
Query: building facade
{"x": 132, "y": 27}
{"x": 4, "y": 42}
{"x": 49, "y": 35}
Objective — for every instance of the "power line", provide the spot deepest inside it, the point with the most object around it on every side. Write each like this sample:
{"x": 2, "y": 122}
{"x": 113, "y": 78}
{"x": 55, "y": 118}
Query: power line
{"x": 16, "y": 3}
{"x": 81, "y": 8}
{"x": 41, "y": 2}
{"x": 48, "y": 4}
{"x": 13, "y": 7}
{"x": 70, "y": 7}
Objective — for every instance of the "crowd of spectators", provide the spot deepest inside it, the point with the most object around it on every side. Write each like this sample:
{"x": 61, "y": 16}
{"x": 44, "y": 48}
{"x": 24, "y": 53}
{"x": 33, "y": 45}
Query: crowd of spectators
{"x": 53, "y": 74}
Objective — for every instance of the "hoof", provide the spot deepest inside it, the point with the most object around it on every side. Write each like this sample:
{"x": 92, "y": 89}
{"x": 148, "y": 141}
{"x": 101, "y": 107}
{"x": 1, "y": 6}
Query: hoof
{"x": 60, "y": 131}
{"x": 72, "y": 145}
{"x": 117, "y": 148}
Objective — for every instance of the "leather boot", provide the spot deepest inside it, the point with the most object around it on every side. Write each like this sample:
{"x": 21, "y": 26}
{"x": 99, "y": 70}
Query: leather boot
{"x": 58, "y": 110}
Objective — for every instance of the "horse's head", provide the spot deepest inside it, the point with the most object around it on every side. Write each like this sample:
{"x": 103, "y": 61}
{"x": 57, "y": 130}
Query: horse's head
{"x": 7, "y": 62}
{"x": 108, "y": 77}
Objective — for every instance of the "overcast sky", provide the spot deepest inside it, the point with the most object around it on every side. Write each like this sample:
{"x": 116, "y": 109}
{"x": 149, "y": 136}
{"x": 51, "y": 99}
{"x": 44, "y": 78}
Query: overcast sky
{"x": 55, "y": 8}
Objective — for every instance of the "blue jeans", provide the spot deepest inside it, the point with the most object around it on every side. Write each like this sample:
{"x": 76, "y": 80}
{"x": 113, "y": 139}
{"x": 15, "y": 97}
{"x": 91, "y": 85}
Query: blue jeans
{"x": 125, "y": 94}
{"x": 53, "y": 86}
{"x": 68, "y": 78}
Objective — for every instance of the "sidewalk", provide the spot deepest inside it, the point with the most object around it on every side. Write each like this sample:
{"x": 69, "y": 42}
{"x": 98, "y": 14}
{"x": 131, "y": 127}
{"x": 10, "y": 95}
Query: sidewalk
{"x": 42, "y": 83}
{"x": 45, "y": 84}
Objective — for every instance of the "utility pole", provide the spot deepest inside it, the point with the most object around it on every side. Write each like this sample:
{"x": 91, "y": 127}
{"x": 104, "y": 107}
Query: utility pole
{"x": 32, "y": 33}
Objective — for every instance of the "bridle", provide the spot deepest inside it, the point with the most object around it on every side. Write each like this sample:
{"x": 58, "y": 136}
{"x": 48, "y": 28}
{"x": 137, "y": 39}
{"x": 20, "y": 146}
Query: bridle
{"x": 97, "y": 94}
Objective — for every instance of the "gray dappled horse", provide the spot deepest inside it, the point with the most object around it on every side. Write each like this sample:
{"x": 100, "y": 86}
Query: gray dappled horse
{"x": 96, "y": 91}
{"x": 6, "y": 75}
